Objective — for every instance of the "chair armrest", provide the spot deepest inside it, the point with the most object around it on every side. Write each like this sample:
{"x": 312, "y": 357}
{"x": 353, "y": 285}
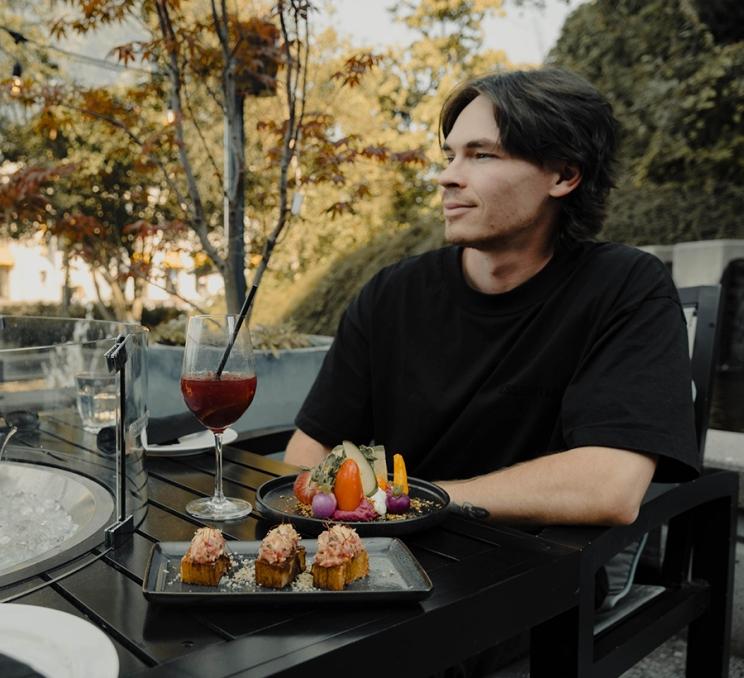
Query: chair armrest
{"x": 697, "y": 576}
{"x": 662, "y": 503}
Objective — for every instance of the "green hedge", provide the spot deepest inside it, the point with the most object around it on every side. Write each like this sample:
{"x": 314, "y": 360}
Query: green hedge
{"x": 319, "y": 310}
{"x": 665, "y": 214}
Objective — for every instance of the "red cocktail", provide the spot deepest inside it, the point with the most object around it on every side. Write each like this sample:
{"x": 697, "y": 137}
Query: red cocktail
{"x": 218, "y": 385}
{"x": 217, "y": 403}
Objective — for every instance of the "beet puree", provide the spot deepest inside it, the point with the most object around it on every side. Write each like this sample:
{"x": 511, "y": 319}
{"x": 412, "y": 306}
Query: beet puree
{"x": 362, "y": 513}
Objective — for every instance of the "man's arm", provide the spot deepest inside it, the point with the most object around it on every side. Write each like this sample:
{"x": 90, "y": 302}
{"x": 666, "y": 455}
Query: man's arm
{"x": 584, "y": 485}
{"x": 302, "y": 450}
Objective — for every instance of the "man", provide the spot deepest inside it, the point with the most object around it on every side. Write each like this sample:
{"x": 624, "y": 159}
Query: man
{"x": 533, "y": 373}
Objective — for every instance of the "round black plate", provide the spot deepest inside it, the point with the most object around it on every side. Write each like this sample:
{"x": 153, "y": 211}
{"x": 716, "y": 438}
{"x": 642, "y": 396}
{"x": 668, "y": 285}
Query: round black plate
{"x": 275, "y": 500}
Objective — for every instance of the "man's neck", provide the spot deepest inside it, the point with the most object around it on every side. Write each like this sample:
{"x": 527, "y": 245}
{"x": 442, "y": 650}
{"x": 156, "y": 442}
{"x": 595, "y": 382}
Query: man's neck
{"x": 498, "y": 270}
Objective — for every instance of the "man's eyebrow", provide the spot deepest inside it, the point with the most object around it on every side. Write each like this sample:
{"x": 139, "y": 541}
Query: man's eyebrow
{"x": 477, "y": 143}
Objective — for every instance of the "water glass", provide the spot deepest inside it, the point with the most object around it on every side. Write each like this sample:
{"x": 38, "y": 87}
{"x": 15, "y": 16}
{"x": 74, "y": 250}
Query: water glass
{"x": 97, "y": 398}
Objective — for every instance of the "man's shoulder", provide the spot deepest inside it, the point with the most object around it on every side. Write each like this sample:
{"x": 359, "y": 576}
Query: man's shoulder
{"x": 417, "y": 266}
{"x": 405, "y": 281}
{"x": 620, "y": 275}
{"x": 617, "y": 259}
{"x": 613, "y": 251}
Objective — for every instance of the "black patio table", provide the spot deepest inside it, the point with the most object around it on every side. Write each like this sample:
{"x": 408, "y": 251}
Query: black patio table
{"x": 489, "y": 583}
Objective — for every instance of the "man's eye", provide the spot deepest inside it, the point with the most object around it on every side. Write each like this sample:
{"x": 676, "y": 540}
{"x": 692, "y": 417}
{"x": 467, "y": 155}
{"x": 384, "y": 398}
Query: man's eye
{"x": 482, "y": 156}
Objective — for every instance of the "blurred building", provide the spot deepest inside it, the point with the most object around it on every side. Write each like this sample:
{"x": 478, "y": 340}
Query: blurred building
{"x": 32, "y": 271}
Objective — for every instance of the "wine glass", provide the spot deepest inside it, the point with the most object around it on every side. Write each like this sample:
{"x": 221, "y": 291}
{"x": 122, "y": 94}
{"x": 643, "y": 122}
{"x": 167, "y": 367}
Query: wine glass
{"x": 218, "y": 397}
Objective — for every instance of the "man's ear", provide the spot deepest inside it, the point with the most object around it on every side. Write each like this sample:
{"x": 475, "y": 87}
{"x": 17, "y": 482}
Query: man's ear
{"x": 568, "y": 178}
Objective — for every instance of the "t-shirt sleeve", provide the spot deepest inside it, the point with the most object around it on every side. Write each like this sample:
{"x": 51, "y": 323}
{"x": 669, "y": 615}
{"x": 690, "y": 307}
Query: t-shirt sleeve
{"x": 338, "y": 406}
{"x": 633, "y": 389}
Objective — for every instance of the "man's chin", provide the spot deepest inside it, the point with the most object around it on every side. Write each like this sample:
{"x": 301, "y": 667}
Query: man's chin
{"x": 489, "y": 241}
{"x": 476, "y": 243}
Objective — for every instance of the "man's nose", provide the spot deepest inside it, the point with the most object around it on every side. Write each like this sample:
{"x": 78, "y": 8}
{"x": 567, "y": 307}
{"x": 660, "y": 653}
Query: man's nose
{"x": 451, "y": 175}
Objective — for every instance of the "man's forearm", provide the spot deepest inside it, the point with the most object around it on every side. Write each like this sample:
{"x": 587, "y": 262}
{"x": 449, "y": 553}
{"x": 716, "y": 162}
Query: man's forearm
{"x": 587, "y": 485}
{"x": 302, "y": 450}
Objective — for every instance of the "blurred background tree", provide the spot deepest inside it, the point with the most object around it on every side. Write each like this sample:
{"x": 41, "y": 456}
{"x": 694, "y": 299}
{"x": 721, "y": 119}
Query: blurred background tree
{"x": 673, "y": 70}
{"x": 199, "y": 57}
{"x": 198, "y": 63}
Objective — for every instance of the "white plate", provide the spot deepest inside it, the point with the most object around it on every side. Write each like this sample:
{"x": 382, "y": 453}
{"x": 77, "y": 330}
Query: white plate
{"x": 56, "y": 644}
{"x": 194, "y": 443}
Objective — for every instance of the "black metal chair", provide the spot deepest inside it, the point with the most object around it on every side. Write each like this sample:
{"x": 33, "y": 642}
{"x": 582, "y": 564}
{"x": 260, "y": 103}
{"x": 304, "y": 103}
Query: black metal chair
{"x": 702, "y": 311}
{"x": 691, "y": 588}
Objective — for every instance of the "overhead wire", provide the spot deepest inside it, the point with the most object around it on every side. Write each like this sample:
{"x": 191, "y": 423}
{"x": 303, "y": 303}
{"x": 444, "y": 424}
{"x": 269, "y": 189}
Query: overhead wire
{"x": 19, "y": 38}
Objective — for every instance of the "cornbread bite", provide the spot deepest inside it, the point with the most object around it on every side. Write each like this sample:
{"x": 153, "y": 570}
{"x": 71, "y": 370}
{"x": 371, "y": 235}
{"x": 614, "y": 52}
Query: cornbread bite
{"x": 205, "y": 561}
{"x": 280, "y": 557}
{"x": 341, "y": 558}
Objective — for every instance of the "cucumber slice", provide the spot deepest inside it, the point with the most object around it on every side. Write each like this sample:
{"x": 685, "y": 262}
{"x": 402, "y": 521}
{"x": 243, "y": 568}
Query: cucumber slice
{"x": 380, "y": 464}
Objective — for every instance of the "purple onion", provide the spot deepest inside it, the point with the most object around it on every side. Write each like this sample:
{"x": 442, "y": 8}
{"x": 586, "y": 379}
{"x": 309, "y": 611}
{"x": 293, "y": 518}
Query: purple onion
{"x": 397, "y": 503}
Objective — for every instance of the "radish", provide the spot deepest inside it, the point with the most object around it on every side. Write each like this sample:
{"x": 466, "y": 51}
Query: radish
{"x": 324, "y": 504}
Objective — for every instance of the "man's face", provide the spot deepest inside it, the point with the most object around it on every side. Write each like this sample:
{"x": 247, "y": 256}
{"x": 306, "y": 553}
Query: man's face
{"x": 489, "y": 197}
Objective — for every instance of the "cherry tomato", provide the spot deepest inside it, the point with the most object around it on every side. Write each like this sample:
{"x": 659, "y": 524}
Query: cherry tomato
{"x": 304, "y": 488}
{"x": 348, "y": 486}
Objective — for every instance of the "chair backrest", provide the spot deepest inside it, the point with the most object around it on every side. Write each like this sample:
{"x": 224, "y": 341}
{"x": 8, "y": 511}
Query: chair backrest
{"x": 702, "y": 308}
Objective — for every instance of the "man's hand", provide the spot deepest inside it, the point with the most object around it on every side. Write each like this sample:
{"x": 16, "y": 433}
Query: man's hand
{"x": 302, "y": 450}
{"x": 585, "y": 485}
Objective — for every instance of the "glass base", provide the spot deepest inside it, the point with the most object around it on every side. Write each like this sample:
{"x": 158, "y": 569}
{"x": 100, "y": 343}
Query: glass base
{"x": 96, "y": 428}
{"x": 209, "y": 508}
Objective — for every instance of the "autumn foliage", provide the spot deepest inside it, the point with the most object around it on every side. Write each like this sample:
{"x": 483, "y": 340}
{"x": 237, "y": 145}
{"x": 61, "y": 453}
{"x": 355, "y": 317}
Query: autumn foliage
{"x": 326, "y": 148}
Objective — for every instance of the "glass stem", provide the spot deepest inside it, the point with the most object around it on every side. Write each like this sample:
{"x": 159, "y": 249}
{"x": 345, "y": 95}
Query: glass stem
{"x": 13, "y": 430}
{"x": 219, "y": 495}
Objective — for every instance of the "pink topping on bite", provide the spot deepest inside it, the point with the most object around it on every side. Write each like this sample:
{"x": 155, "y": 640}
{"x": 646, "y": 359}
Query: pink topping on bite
{"x": 207, "y": 545}
{"x": 279, "y": 544}
{"x": 337, "y": 545}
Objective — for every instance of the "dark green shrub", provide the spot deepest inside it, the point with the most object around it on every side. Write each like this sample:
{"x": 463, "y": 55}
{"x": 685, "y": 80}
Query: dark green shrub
{"x": 265, "y": 338}
{"x": 319, "y": 311}
{"x": 48, "y": 310}
{"x": 151, "y": 317}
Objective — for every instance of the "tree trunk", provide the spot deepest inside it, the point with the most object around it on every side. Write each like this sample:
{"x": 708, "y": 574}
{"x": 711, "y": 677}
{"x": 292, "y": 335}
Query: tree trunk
{"x": 235, "y": 285}
{"x": 102, "y": 308}
{"x": 66, "y": 290}
{"x": 138, "y": 303}
{"x": 119, "y": 304}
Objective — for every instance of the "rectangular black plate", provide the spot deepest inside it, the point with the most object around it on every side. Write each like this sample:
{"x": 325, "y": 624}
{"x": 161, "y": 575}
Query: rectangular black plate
{"x": 394, "y": 574}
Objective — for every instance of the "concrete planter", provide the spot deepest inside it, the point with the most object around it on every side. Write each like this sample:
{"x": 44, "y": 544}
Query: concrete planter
{"x": 703, "y": 262}
{"x": 283, "y": 382}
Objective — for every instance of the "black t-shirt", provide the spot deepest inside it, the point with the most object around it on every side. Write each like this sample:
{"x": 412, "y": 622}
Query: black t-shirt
{"x": 592, "y": 350}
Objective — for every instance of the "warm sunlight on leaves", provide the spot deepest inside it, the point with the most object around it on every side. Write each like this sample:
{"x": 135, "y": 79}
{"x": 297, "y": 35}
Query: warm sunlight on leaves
{"x": 355, "y": 67}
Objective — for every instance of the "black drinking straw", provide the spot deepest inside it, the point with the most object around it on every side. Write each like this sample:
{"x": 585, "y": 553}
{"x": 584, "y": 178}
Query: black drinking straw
{"x": 246, "y": 305}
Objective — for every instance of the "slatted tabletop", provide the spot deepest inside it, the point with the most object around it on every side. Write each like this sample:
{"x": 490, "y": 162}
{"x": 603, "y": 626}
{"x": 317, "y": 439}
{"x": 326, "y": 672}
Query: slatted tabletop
{"x": 489, "y": 583}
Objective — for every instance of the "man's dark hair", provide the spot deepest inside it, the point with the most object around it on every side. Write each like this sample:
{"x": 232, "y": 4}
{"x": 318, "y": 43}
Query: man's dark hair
{"x": 550, "y": 117}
